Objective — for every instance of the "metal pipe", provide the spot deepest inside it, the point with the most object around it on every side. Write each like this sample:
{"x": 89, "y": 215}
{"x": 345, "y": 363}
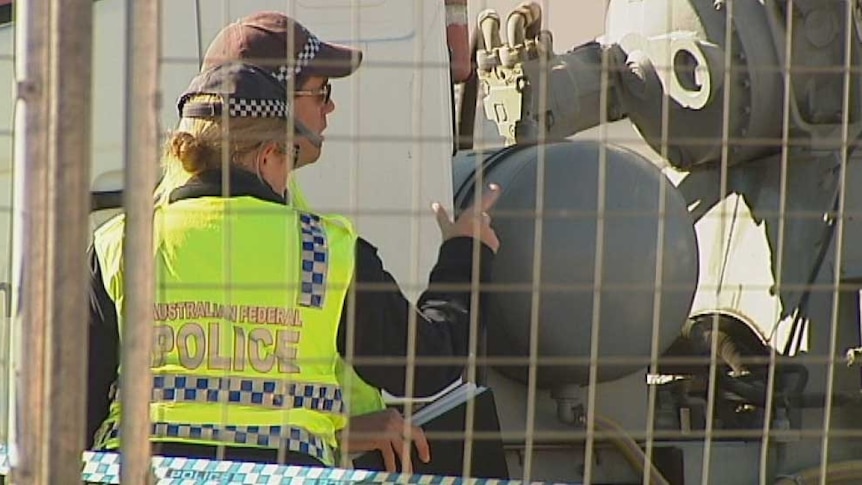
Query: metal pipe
{"x": 469, "y": 97}
{"x": 516, "y": 29}
{"x": 141, "y": 157}
{"x": 31, "y": 243}
{"x": 489, "y": 24}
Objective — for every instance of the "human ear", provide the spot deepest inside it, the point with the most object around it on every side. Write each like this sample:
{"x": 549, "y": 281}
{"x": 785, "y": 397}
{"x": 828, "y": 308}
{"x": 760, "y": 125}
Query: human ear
{"x": 272, "y": 153}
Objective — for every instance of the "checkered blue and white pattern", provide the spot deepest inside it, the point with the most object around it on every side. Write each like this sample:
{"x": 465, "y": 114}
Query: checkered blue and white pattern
{"x": 257, "y": 108}
{"x": 248, "y": 391}
{"x": 105, "y": 468}
{"x": 290, "y": 437}
{"x": 314, "y": 261}
{"x": 5, "y": 466}
{"x": 307, "y": 54}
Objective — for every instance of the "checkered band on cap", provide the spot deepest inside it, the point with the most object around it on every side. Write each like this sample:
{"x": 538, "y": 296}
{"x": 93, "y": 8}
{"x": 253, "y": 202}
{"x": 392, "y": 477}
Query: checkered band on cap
{"x": 257, "y": 108}
{"x": 307, "y": 54}
{"x": 237, "y": 108}
{"x": 247, "y": 391}
{"x": 315, "y": 259}
{"x": 240, "y": 90}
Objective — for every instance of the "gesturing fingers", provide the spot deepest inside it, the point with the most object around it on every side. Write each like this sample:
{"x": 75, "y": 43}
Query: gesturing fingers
{"x": 490, "y": 197}
{"x": 388, "y": 458}
{"x": 442, "y": 219}
{"x": 472, "y": 222}
{"x": 402, "y": 449}
{"x": 422, "y": 445}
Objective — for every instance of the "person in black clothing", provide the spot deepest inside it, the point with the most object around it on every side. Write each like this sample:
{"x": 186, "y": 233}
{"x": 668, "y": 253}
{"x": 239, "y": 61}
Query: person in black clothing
{"x": 381, "y": 311}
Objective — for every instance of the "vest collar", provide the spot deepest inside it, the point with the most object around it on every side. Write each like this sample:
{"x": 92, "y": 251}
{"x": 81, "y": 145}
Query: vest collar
{"x": 209, "y": 184}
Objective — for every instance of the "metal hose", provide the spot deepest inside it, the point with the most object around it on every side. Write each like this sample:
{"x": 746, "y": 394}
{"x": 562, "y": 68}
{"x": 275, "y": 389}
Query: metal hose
{"x": 522, "y": 21}
{"x": 837, "y": 473}
{"x": 699, "y": 332}
{"x": 489, "y": 25}
{"x": 629, "y": 449}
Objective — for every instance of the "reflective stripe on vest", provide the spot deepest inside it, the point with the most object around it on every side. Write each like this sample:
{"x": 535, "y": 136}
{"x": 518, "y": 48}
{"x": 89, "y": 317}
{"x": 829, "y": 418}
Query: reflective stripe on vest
{"x": 314, "y": 261}
{"x": 253, "y": 392}
{"x": 289, "y": 438}
{"x": 248, "y": 303}
{"x": 361, "y": 398}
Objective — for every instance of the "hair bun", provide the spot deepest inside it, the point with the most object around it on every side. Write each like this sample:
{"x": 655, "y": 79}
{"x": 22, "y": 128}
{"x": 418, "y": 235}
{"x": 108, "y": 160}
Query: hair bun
{"x": 189, "y": 150}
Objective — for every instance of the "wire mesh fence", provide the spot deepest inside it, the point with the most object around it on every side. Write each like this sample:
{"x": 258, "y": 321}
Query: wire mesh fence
{"x": 674, "y": 299}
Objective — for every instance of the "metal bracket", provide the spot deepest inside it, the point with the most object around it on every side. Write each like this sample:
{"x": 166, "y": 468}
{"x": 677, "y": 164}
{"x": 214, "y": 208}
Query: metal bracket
{"x": 690, "y": 70}
{"x": 503, "y": 87}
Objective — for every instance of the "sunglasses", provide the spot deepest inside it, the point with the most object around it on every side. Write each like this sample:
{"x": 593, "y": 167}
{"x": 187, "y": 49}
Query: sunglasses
{"x": 325, "y": 92}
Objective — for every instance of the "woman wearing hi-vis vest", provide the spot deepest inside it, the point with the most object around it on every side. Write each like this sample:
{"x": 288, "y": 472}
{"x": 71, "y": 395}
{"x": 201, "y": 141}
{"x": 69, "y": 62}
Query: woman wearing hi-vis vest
{"x": 250, "y": 314}
{"x": 263, "y": 39}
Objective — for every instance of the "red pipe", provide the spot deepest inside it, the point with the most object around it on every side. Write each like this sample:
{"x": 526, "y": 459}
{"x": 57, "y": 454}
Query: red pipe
{"x": 457, "y": 37}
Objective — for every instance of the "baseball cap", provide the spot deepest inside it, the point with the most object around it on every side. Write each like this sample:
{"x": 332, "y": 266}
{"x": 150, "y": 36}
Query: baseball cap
{"x": 246, "y": 90}
{"x": 263, "y": 39}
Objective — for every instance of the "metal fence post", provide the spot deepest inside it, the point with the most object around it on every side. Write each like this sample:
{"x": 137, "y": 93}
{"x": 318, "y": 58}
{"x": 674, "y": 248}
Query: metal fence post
{"x": 53, "y": 171}
{"x": 141, "y": 156}
{"x": 69, "y": 155}
{"x": 31, "y": 240}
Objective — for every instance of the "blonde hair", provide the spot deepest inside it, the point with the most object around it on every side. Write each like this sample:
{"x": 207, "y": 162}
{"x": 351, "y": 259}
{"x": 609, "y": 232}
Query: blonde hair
{"x": 201, "y": 144}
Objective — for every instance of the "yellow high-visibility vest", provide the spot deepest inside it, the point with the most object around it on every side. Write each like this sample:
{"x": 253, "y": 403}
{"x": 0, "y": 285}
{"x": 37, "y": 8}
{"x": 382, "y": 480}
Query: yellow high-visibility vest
{"x": 361, "y": 398}
{"x": 248, "y": 302}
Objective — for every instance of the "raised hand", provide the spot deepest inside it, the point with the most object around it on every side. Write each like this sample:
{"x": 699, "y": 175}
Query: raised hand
{"x": 473, "y": 222}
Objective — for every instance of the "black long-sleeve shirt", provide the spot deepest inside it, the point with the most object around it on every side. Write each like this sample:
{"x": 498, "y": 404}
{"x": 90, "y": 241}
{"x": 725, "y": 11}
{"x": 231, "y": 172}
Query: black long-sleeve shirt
{"x": 381, "y": 312}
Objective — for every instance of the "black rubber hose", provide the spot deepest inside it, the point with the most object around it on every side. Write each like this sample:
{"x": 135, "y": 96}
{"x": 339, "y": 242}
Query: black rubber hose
{"x": 469, "y": 98}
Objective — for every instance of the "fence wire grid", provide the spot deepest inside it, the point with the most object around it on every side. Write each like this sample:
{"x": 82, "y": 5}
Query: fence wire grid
{"x": 676, "y": 294}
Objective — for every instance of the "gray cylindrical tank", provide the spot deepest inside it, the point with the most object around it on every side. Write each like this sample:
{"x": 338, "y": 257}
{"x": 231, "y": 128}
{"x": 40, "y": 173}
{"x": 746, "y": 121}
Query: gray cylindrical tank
{"x": 568, "y": 259}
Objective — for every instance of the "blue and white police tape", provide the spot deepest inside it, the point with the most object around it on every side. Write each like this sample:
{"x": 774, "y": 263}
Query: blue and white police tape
{"x": 105, "y": 468}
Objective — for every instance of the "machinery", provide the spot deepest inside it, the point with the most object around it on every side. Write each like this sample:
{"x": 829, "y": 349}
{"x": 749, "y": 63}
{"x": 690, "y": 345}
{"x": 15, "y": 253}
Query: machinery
{"x": 754, "y": 110}
{"x": 683, "y": 307}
